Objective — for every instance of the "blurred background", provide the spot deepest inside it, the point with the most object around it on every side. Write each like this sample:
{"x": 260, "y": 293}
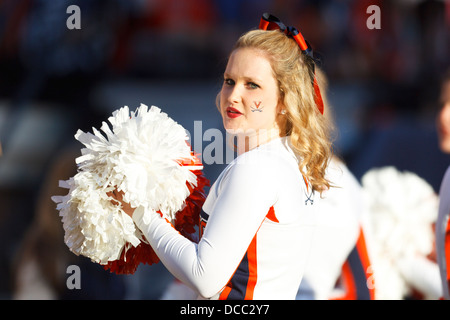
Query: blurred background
{"x": 383, "y": 87}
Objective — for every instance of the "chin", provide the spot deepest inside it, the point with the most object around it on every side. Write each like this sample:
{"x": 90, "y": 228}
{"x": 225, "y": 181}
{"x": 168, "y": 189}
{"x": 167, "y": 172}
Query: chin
{"x": 230, "y": 125}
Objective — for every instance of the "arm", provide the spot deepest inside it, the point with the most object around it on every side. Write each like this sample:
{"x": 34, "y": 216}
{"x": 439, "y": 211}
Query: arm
{"x": 244, "y": 200}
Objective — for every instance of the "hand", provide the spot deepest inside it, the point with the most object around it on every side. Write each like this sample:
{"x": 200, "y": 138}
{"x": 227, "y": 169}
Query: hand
{"x": 118, "y": 200}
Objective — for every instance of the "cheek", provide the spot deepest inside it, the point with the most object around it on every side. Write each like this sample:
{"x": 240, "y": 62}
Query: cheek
{"x": 222, "y": 98}
{"x": 262, "y": 109}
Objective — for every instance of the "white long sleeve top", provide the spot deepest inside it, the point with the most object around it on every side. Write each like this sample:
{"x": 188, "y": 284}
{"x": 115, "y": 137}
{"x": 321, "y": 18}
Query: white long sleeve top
{"x": 258, "y": 222}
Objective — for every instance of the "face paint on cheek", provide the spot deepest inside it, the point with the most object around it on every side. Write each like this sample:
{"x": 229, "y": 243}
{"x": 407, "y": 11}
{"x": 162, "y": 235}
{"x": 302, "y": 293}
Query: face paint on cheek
{"x": 257, "y": 106}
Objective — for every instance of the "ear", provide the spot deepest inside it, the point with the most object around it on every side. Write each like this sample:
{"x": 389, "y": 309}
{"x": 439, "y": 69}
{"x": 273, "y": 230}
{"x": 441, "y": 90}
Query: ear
{"x": 281, "y": 118}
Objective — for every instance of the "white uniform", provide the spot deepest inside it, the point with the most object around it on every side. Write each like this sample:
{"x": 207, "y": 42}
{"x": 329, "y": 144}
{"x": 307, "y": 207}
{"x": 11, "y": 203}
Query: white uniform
{"x": 260, "y": 220}
{"x": 339, "y": 215}
{"x": 443, "y": 234}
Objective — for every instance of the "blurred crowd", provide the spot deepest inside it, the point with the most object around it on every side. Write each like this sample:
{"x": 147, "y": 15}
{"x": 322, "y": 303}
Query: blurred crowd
{"x": 384, "y": 89}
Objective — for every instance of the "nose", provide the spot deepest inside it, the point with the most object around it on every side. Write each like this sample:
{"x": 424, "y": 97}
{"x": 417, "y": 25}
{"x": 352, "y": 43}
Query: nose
{"x": 233, "y": 94}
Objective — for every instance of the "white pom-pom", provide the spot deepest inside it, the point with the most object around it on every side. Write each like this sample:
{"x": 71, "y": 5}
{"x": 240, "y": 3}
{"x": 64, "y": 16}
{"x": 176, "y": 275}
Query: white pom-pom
{"x": 140, "y": 155}
{"x": 401, "y": 209}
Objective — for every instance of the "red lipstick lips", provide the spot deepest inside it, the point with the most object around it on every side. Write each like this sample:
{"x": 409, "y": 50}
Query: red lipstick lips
{"x": 233, "y": 113}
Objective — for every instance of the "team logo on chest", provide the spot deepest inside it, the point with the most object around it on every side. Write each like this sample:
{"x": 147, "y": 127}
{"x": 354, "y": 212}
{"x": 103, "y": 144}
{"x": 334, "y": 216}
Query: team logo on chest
{"x": 309, "y": 197}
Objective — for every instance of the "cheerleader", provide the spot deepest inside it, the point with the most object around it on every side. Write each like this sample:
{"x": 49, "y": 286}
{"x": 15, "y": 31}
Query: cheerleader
{"x": 258, "y": 218}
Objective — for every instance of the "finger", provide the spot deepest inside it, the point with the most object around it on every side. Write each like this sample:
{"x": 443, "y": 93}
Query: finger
{"x": 114, "y": 199}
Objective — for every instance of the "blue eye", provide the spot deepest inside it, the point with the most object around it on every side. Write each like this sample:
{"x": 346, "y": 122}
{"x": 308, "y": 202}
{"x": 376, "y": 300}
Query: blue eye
{"x": 252, "y": 85}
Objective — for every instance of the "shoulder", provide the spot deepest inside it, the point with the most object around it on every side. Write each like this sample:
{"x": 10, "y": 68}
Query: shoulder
{"x": 257, "y": 158}
{"x": 255, "y": 166}
{"x": 268, "y": 163}
{"x": 341, "y": 177}
{"x": 272, "y": 154}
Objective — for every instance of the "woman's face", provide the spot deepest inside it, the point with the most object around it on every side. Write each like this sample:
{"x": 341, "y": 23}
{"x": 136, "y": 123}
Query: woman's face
{"x": 443, "y": 119}
{"x": 249, "y": 101}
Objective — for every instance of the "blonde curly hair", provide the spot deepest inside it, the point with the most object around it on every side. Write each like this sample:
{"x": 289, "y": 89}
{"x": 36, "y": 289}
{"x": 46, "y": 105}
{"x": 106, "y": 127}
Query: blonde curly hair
{"x": 309, "y": 130}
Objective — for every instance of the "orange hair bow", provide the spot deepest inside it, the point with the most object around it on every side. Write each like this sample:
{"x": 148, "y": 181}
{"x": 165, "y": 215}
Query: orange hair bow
{"x": 270, "y": 22}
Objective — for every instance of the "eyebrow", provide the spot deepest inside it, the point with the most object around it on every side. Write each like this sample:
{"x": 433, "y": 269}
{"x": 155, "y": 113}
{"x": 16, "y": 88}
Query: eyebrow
{"x": 246, "y": 78}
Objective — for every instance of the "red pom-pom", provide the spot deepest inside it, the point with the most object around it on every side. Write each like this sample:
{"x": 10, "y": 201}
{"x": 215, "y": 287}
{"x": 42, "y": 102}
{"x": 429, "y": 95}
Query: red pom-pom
{"x": 131, "y": 257}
